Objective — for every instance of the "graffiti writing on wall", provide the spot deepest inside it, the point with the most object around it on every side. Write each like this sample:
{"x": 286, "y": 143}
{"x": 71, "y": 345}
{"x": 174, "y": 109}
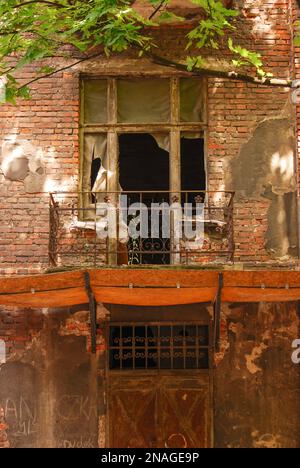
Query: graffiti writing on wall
{"x": 77, "y": 443}
{"x": 74, "y": 407}
{"x": 21, "y": 416}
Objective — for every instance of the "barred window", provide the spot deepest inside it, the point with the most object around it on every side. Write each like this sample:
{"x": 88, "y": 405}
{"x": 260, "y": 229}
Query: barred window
{"x": 158, "y": 346}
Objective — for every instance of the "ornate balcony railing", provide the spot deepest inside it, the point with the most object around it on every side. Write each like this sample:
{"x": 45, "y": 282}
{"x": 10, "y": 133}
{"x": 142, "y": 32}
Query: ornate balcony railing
{"x": 141, "y": 228}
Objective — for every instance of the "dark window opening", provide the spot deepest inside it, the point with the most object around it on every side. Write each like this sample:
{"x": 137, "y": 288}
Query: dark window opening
{"x": 158, "y": 346}
{"x": 193, "y": 175}
{"x": 96, "y": 165}
{"x": 144, "y": 166}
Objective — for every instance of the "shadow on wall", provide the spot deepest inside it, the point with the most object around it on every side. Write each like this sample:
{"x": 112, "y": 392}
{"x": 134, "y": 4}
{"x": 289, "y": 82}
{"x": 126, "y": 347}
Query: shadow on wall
{"x": 265, "y": 169}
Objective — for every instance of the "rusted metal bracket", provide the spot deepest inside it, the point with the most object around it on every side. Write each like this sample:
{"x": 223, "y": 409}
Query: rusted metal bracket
{"x": 93, "y": 311}
{"x": 217, "y": 314}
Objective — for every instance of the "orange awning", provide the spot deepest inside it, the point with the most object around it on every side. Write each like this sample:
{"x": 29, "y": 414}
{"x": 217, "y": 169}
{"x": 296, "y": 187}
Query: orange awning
{"x": 152, "y": 287}
{"x": 154, "y": 296}
{"x": 132, "y": 287}
{"x": 261, "y": 286}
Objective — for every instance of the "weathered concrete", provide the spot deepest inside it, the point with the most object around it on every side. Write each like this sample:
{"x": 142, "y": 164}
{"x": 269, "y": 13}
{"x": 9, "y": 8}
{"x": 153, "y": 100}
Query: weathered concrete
{"x": 49, "y": 395}
{"x": 256, "y": 384}
{"x": 52, "y": 393}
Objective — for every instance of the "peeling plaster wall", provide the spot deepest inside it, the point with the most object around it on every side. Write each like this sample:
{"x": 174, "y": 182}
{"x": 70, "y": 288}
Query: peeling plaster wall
{"x": 22, "y": 161}
{"x": 264, "y": 170}
{"x": 50, "y": 389}
{"x": 256, "y": 384}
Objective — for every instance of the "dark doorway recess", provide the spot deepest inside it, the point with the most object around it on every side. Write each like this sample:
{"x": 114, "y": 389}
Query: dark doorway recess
{"x": 193, "y": 175}
{"x": 144, "y": 166}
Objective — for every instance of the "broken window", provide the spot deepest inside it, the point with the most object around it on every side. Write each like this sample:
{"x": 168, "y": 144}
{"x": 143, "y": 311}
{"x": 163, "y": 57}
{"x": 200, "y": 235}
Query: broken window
{"x": 171, "y": 112}
{"x": 141, "y": 135}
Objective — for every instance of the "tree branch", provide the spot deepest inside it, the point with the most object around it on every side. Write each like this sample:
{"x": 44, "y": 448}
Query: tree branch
{"x": 31, "y": 2}
{"x": 274, "y": 82}
{"x": 67, "y": 67}
{"x": 232, "y": 75}
{"x": 157, "y": 9}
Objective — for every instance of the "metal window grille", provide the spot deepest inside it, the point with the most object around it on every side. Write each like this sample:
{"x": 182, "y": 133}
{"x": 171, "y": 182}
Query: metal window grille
{"x": 155, "y": 346}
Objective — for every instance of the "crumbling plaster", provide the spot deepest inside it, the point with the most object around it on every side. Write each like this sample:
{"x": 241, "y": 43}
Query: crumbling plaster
{"x": 49, "y": 391}
{"x": 257, "y": 390}
{"x": 265, "y": 169}
{"x": 21, "y": 161}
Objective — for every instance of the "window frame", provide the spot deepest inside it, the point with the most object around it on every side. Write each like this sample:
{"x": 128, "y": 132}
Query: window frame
{"x": 175, "y": 127}
{"x": 113, "y": 128}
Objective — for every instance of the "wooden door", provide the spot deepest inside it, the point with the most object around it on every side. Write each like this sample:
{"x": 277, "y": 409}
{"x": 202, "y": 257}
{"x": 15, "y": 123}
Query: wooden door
{"x": 163, "y": 411}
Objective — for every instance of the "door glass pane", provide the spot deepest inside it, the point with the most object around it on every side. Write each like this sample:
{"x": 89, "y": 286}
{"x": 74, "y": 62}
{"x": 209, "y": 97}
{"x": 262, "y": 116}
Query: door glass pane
{"x": 143, "y": 101}
{"x": 114, "y": 337}
{"x": 165, "y": 358}
{"x": 165, "y": 336}
{"x": 152, "y": 333}
{"x": 114, "y": 359}
{"x": 95, "y": 101}
{"x": 127, "y": 335}
{"x": 140, "y": 336}
{"x": 190, "y": 335}
{"x": 127, "y": 358}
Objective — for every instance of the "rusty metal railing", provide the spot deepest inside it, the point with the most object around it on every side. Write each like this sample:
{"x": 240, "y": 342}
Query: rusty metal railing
{"x": 81, "y": 231}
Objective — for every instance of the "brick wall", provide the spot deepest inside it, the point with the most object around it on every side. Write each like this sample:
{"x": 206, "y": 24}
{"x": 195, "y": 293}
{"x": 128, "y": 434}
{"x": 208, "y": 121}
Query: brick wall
{"x": 49, "y": 122}
{"x": 4, "y": 442}
{"x": 236, "y": 110}
{"x": 18, "y": 328}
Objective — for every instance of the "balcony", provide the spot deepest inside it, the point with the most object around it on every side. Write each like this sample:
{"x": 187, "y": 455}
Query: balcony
{"x": 141, "y": 228}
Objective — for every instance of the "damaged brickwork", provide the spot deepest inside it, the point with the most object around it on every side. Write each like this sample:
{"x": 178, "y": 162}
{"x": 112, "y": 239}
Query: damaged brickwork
{"x": 264, "y": 172}
{"x": 4, "y": 442}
